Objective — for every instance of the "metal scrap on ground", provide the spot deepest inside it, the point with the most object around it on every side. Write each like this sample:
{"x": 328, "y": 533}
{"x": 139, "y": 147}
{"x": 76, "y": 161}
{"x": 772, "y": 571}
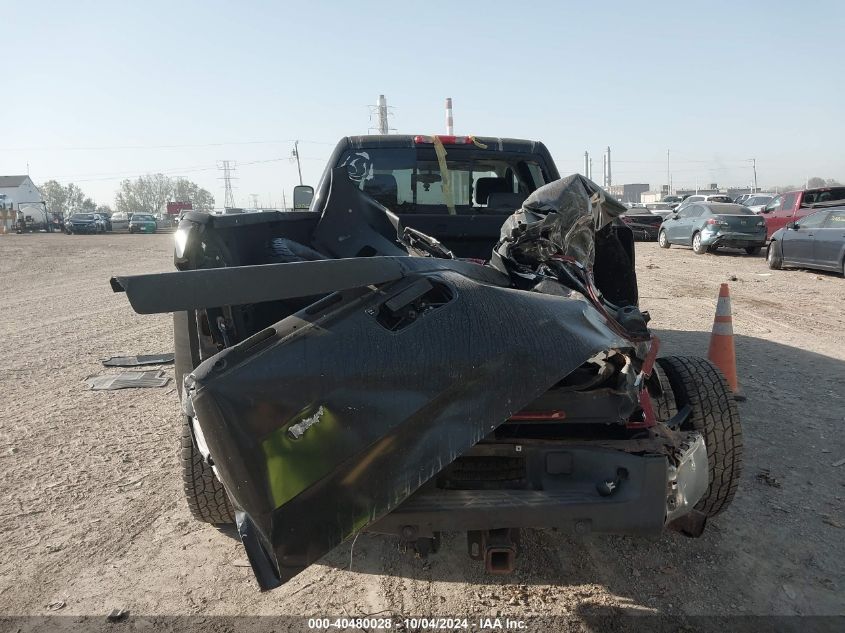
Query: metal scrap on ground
{"x": 140, "y": 359}
{"x": 128, "y": 379}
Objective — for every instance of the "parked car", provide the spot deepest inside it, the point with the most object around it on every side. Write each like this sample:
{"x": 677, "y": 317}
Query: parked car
{"x": 643, "y": 223}
{"x": 813, "y": 241}
{"x": 758, "y": 201}
{"x": 707, "y": 226}
{"x": 448, "y": 394}
{"x": 661, "y": 208}
{"x": 84, "y": 223}
{"x": 105, "y": 218}
{"x": 792, "y": 205}
{"x": 674, "y": 200}
{"x": 700, "y": 197}
{"x": 142, "y": 223}
{"x": 120, "y": 221}
{"x": 740, "y": 199}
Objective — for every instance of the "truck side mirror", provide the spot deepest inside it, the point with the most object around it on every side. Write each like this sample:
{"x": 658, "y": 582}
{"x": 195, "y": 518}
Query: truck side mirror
{"x": 791, "y": 225}
{"x": 302, "y": 196}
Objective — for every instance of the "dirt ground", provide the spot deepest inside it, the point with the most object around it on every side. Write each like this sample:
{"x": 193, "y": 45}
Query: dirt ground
{"x": 93, "y": 518}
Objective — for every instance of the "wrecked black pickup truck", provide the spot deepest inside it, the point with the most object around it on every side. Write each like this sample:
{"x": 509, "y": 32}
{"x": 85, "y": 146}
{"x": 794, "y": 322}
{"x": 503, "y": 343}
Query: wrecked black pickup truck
{"x": 344, "y": 370}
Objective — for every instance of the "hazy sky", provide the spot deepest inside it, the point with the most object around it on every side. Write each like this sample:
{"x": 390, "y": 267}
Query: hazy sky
{"x": 93, "y": 92}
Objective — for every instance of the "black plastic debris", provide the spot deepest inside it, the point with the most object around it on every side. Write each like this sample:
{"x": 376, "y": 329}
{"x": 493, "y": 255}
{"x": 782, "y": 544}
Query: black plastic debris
{"x": 128, "y": 380}
{"x": 140, "y": 359}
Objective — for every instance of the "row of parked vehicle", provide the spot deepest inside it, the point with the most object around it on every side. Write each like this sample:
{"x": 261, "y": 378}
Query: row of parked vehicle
{"x": 797, "y": 228}
{"x": 93, "y": 223}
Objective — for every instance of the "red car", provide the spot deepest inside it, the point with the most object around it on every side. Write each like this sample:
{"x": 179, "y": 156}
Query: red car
{"x": 791, "y": 205}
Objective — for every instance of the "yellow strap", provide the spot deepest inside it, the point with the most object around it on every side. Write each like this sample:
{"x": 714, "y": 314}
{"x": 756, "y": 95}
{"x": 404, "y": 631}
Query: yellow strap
{"x": 445, "y": 178}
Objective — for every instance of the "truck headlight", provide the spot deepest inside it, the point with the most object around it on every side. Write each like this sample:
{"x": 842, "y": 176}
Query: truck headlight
{"x": 181, "y": 239}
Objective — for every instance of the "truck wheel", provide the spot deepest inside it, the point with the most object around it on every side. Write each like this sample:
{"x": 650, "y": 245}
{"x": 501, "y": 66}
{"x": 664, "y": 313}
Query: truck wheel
{"x": 662, "y": 240}
{"x": 206, "y": 496}
{"x": 698, "y": 383}
{"x": 697, "y": 246}
{"x": 774, "y": 255}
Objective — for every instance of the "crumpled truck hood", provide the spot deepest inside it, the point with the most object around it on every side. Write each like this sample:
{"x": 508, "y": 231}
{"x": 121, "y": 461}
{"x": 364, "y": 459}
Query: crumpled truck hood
{"x": 325, "y": 422}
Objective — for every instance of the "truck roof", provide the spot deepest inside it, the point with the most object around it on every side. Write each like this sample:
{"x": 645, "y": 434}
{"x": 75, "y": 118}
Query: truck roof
{"x": 408, "y": 140}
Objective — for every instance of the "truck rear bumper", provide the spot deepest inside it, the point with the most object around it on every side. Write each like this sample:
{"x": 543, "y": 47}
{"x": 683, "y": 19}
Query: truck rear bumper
{"x": 563, "y": 491}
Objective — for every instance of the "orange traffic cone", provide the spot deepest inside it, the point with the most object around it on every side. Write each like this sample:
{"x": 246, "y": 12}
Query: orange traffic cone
{"x": 721, "y": 352}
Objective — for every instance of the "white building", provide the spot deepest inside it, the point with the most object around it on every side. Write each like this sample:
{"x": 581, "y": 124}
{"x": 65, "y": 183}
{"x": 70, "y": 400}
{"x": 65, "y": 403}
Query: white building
{"x": 20, "y": 200}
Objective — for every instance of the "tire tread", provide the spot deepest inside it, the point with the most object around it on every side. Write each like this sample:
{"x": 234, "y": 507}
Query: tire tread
{"x": 699, "y": 383}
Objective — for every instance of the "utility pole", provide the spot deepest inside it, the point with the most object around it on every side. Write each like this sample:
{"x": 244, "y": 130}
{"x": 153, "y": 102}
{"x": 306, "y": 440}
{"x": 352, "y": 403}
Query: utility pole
{"x": 754, "y": 167}
{"x": 591, "y": 169}
{"x": 450, "y": 122}
{"x": 668, "y": 176}
{"x": 295, "y": 154}
{"x": 284, "y": 202}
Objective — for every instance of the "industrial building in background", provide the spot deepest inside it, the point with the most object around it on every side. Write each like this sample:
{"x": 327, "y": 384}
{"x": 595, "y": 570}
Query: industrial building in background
{"x": 629, "y": 193}
{"x": 20, "y": 201}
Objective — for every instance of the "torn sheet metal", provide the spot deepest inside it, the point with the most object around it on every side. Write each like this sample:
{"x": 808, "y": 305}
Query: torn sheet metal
{"x": 327, "y": 421}
{"x": 139, "y": 360}
{"x": 128, "y": 380}
{"x": 559, "y": 219}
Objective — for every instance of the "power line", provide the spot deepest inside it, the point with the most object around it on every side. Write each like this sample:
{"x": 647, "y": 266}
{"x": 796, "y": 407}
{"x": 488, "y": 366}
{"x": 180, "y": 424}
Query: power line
{"x": 174, "y": 170}
{"x": 171, "y": 146}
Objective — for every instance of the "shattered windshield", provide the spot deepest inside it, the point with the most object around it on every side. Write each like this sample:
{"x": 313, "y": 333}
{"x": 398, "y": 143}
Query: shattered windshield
{"x": 410, "y": 180}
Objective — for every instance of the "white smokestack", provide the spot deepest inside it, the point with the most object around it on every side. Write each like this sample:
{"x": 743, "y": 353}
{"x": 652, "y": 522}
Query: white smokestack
{"x": 382, "y": 115}
{"x": 450, "y": 126}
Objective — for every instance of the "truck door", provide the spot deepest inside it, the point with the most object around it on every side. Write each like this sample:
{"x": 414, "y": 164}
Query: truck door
{"x": 780, "y": 211}
{"x": 829, "y": 241}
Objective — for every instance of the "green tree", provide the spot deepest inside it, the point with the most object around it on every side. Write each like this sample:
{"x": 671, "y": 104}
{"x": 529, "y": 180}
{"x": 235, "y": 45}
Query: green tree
{"x": 53, "y": 194}
{"x": 186, "y": 191}
{"x": 151, "y": 192}
{"x": 63, "y": 199}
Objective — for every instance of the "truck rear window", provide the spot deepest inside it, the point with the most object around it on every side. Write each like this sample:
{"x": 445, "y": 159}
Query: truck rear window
{"x": 824, "y": 195}
{"x": 410, "y": 180}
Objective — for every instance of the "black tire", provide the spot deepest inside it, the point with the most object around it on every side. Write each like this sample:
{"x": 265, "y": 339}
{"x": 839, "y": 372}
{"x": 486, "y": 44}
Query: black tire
{"x": 774, "y": 255}
{"x": 206, "y": 496}
{"x": 697, "y": 247}
{"x": 698, "y": 383}
{"x": 662, "y": 240}
{"x": 752, "y": 250}
{"x": 664, "y": 404}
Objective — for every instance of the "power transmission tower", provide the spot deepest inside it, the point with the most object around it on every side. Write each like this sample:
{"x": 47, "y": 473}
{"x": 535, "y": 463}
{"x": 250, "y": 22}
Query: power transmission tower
{"x": 254, "y": 197}
{"x": 228, "y": 168}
